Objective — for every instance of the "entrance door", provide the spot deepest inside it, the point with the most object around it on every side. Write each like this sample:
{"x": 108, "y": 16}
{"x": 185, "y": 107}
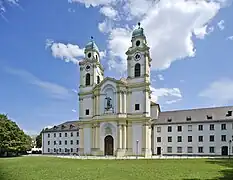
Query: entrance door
{"x": 224, "y": 150}
{"x": 108, "y": 145}
{"x": 158, "y": 150}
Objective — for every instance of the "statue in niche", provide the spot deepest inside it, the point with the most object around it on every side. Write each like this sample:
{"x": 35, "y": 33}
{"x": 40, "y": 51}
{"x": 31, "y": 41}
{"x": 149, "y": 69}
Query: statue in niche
{"x": 109, "y": 105}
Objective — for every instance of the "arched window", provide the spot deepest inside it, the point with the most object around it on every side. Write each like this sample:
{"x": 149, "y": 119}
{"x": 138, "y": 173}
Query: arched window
{"x": 88, "y": 79}
{"x": 98, "y": 79}
{"x": 137, "y": 70}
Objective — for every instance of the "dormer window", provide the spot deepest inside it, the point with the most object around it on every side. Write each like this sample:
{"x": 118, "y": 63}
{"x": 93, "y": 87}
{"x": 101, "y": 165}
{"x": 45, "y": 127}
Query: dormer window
{"x": 229, "y": 113}
{"x": 71, "y": 126}
{"x": 209, "y": 117}
{"x": 169, "y": 120}
{"x": 62, "y": 126}
{"x": 188, "y": 118}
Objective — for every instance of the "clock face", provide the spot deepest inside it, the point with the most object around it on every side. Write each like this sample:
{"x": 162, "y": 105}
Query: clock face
{"x": 88, "y": 67}
{"x": 137, "y": 56}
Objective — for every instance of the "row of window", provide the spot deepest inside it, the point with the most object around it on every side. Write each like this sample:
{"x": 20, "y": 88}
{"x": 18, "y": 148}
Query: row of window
{"x": 65, "y": 142}
{"x": 190, "y": 138}
{"x": 208, "y": 117}
{"x": 200, "y": 128}
{"x": 62, "y": 150}
{"x": 190, "y": 149}
{"x": 66, "y": 134}
{"x": 137, "y": 108}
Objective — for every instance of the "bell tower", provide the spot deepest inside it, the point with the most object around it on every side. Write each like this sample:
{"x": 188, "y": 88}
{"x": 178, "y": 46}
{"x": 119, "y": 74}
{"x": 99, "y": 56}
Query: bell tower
{"x": 91, "y": 71}
{"x": 139, "y": 61}
{"x": 138, "y": 69}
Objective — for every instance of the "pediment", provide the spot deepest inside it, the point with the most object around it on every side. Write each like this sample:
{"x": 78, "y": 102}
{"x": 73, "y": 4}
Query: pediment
{"x": 111, "y": 81}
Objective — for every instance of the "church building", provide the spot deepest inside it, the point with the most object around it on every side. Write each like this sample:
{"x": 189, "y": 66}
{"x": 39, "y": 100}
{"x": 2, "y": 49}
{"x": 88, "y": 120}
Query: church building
{"x": 118, "y": 117}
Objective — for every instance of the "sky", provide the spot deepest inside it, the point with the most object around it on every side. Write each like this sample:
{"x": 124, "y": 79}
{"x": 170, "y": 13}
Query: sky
{"x": 42, "y": 42}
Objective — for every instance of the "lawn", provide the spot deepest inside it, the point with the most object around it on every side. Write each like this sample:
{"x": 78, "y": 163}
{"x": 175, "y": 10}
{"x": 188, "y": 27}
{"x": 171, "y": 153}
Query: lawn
{"x": 51, "y": 168}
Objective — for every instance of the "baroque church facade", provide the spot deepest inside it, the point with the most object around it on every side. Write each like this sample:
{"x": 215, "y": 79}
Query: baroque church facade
{"x": 117, "y": 117}
{"x": 115, "y": 114}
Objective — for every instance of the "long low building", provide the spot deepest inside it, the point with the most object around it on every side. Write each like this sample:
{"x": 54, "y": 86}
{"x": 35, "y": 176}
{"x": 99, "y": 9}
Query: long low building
{"x": 118, "y": 117}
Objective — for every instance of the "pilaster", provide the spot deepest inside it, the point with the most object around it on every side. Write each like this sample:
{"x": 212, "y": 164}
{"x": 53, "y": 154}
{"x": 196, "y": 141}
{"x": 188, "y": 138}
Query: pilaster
{"x": 124, "y": 137}
{"x": 81, "y": 140}
{"x": 146, "y": 147}
{"x": 129, "y": 139}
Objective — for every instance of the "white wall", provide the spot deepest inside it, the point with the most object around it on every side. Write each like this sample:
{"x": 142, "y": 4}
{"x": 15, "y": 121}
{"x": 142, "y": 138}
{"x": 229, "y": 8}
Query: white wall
{"x": 194, "y": 133}
{"x": 87, "y": 140}
{"x": 57, "y": 139}
{"x": 137, "y": 135}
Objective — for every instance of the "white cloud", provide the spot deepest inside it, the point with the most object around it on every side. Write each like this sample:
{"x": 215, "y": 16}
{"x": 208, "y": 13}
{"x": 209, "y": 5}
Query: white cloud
{"x": 68, "y": 52}
{"x": 166, "y": 95}
{"x": 73, "y": 110}
{"x": 105, "y": 26}
{"x": 220, "y": 91}
{"x": 93, "y": 3}
{"x": 108, "y": 12}
{"x": 169, "y": 26}
{"x": 221, "y": 25}
{"x": 160, "y": 76}
{"x": 30, "y": 132}
{"x": 54, "y": 90}
{"x": 230, "y": 38}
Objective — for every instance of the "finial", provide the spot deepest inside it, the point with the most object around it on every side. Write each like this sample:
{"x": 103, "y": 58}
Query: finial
{"x": 139, "y": 24}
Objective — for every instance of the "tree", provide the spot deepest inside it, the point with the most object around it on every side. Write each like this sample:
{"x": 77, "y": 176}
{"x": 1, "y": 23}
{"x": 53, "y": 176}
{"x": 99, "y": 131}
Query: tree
{"x": 13, "y": 140}
{"x": 39, "y": 140}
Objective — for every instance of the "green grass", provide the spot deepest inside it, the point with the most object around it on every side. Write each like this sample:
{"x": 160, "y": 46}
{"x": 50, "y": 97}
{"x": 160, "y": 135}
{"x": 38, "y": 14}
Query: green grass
{"x": 49, "y": 168}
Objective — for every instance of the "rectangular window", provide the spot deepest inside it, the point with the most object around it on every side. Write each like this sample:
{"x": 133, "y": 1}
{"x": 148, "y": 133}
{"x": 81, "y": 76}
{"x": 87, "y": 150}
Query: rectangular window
{"x": 71, "y": 149}
{"x": 54, "y": 149}
{"x": 211, "y": 138}
{"x": 211, "y": 127}
{"x": 190, "y": 149}
{"x": 59, "y": 134}
{"x": 59, "y": 149}
{"x": 200, "y": 138}
{"x": 179, "y": 149}
{"x": 200, "y": 149}
{"x": 137, "y": 107}
{"x": 169, "y": 149}
{"x": 169, "y": 129}
{"x": 189, "y": 127}
{"x": 188, "y": 118}
{"x": 169, "y": 120}
{"x": 77, "y": 142}
{"x": 200, "y": 127}
{"x": 54, "y": 142}
{"x": 65, "y": 142}
{"x": 229, "y": 113}
{"x": 223, "y": 138}
{"x": 65, "y": 149}
{"x": 59, "y": 142}
{"x": 48, "y": 135}
{"x": 65, "y": 134}
{"x": 71, "y": 134}
{"x": 87, "y": 111}
{"x": 209, "y": 117}
{"x": 179, "y": 128}
{"x": 48, "y": 142}
{"x": 76, "y": 149}
{"x": 158, "y": 129}
{"x": 48, "y": 150}
{"x": 77, "y": 133}
{"x": 223, "y": 126}
{"x": 212, "y": 149}
{"x": 169, "y": 138}
{"x": 179, "y": 138}
{"x": 158, "y": 139}
{"x": 71, "y": 142}
{"x": 54, "y": 134}
{"x": 190, "y": 138}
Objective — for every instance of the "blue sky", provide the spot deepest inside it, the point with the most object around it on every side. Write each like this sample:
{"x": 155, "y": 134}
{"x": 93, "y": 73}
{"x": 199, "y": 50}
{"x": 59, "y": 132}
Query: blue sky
{"x": 42, "y": 42}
